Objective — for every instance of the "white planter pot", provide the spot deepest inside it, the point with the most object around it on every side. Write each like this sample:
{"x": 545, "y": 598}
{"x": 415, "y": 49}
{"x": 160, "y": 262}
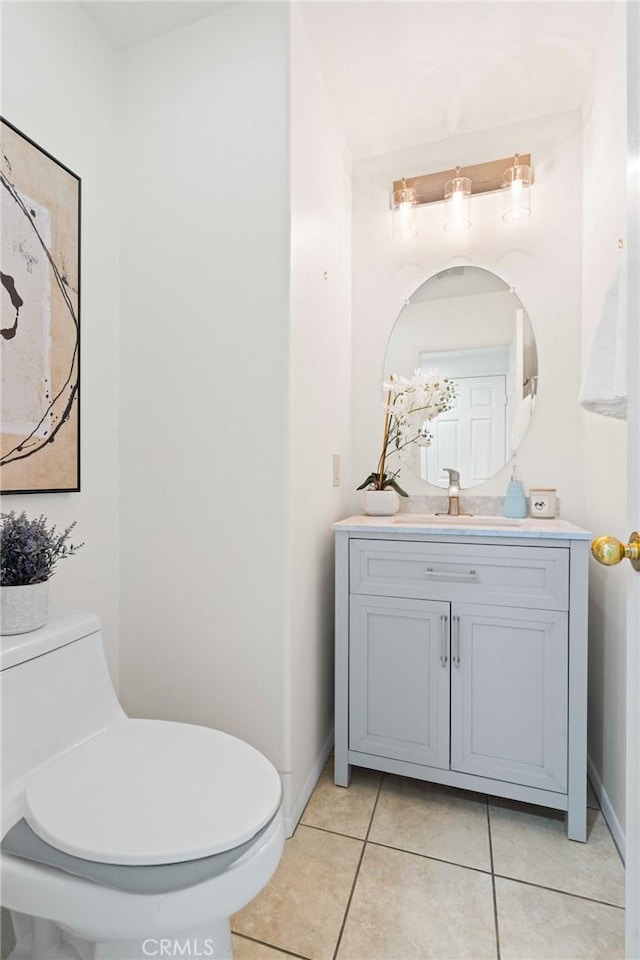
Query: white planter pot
{"x": 23, "y": 608}
{"x": 380, "y": 503}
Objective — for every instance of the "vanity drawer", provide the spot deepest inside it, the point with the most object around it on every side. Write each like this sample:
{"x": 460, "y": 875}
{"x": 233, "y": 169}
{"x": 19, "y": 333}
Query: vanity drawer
{"x": 534, "y": 577}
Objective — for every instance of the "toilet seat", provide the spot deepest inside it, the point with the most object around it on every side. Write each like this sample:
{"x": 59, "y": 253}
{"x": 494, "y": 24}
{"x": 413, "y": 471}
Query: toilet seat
{"x": 157, "y": 878}
{"x": 153, "y": 792}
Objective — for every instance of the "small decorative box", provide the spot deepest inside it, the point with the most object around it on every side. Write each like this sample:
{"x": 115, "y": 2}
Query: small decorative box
{"x": 542, "y": 502}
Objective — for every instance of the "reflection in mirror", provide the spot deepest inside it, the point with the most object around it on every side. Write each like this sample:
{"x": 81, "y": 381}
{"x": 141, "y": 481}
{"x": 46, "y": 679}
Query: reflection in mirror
{"x": 469, "y": 326}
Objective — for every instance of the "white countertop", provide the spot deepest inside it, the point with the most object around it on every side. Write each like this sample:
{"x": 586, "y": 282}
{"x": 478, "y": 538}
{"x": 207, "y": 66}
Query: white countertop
{"x": 477, "y": 527}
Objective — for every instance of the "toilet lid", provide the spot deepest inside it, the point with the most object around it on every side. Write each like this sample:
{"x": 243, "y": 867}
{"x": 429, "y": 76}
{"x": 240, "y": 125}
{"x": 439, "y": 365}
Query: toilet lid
{"x": 150, "y": 791}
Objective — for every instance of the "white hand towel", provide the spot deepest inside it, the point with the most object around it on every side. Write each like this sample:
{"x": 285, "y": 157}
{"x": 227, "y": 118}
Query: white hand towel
{"x": 604, "y": 384}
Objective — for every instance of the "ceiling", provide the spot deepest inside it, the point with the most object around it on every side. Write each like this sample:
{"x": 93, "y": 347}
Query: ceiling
{"x": 406, "y": 72}
{"x": 402, "y": 73}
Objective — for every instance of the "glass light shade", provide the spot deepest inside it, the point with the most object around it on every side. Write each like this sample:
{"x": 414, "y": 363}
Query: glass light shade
{"x": 403, "y": 213}
{"x": 516, "y": 184}
{"x": 457, "y": 203}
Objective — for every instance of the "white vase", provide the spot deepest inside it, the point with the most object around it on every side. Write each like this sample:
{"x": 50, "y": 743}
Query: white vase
{"x": 23, "y": 608}
{"x": 380, "y": 503}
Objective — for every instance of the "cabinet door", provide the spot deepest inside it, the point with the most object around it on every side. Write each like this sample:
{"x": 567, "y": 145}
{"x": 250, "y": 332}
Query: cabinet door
{"x": 399, "y": 679}
{"x": 509, "y": 694}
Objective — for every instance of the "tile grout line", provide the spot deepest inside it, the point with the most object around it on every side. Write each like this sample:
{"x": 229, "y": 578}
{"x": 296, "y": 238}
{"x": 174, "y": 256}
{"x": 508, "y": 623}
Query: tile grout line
{"x": 462, "y": 866}
{"x": 336, "y": 833}
{"x": 357, "y": 873}
{"x": 366, "y": 841}
{"x": 428, "y": 856}
{"x": 390, "y": 846}
{"x": 263, "y": 943}
{"x": 564, "y": 893}
{"x": 493, "y": 881}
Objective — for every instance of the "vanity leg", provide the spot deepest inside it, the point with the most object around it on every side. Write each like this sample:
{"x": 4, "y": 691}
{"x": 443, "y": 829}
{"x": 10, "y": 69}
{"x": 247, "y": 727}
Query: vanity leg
{"x": 577, "y": 816}
{"x": 341, "y": 772}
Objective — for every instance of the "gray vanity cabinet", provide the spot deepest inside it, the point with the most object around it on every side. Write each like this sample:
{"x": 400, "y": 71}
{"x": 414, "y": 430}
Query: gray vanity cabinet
{"x": 462, "y": 660}
{"x": 399, "y": 679}
{"x": 509, "y": 694}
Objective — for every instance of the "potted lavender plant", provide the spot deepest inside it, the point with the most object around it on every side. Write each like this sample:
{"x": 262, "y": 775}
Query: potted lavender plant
{"x": 29, "y": 551}
{"x": 410, "y": 405}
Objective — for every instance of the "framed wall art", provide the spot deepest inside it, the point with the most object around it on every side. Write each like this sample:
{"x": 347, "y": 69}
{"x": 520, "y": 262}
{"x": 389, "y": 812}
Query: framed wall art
{"x": 40, "y": 319}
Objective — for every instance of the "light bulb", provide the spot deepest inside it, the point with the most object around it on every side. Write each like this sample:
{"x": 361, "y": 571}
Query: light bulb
{"x": 515, "y": 187}
{"x": 457, "y": 202}
{"x": 403, "y": 213}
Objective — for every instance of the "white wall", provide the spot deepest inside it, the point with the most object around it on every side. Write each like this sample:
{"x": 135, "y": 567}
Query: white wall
{"x": 235, "y": 384}
{"x": 319, "y": 399}
{"x": 540, "y": 257}
{"x": 604, "y": 440}
{"x": 60, "y": 87}
{"x": 203, "y": 366}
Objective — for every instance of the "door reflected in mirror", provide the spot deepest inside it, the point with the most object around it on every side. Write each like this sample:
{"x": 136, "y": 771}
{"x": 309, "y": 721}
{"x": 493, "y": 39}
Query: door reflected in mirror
{"x": 468, "y": 325}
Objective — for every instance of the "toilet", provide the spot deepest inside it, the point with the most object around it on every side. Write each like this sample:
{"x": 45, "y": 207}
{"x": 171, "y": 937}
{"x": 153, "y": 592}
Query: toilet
{"x": 122, "y": 839}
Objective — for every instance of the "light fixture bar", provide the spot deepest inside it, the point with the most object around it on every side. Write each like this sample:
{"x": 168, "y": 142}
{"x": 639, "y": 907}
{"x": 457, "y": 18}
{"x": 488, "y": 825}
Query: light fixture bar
{"x": 485, "y": 178}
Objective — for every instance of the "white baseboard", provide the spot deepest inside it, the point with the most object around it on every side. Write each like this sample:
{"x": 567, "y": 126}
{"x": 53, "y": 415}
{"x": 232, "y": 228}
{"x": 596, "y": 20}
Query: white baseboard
{"x": 296, "y": 810}
{"x": 607, "y": 809}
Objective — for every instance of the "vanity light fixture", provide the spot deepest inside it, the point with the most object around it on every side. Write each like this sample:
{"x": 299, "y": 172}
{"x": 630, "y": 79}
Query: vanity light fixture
{"x": 457, "y": 202}
{"x": 513, "y": 175}
{"x": 404, "y": 212}
{"x": 516, "y": 185}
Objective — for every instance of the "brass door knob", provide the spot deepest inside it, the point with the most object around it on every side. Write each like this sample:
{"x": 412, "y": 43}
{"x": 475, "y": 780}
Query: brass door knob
{"x": 609, "y": 550}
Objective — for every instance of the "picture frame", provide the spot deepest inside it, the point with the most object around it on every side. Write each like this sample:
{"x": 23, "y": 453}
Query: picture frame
{"x": 40, "y": 326}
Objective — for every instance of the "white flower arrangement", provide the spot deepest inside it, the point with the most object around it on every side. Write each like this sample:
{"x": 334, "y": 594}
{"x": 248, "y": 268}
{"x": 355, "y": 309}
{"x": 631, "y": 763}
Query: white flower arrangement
{"x": 410, "y": 404}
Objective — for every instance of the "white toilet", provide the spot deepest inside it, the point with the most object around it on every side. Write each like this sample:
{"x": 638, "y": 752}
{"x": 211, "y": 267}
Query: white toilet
{"x": 122, "y": 838}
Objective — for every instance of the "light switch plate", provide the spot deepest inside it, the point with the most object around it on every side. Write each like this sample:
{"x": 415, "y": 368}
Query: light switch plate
{"x": 336, "y": 469}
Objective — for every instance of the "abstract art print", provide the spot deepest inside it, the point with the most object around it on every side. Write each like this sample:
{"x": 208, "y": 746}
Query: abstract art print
{"x": 40, "y": 319}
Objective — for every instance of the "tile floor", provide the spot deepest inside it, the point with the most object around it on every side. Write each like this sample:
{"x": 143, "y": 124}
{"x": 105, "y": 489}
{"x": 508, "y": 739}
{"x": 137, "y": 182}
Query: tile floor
{"x": 396, "y": 869}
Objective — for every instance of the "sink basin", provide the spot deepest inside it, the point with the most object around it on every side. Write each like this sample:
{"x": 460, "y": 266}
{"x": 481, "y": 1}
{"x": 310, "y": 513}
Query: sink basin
{"x": 444, "y": 520}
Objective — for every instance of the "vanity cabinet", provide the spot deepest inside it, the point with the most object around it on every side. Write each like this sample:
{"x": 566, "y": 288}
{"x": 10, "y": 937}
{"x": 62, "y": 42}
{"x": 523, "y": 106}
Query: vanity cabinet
{"x": 399, "y": 691}
{"x": 509, "y": 695}
{"x": 462, "y": 659}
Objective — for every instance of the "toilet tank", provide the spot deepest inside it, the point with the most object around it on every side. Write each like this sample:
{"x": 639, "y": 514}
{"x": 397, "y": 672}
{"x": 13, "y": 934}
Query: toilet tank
{"x": 56, "y": 691}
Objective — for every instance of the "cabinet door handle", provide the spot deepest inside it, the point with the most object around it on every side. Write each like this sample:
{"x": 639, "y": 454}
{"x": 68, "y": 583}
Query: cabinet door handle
{"x": 455, "y": 656}
{"x": 468, "y": 577}
{"x": 443, "y": 653}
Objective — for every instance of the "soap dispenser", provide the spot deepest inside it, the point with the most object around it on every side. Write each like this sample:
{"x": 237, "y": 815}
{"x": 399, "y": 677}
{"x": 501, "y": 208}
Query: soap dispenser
{"x": 515, "y": 501}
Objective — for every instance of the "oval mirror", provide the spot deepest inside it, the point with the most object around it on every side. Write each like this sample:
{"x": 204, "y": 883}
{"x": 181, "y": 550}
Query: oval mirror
{"x": 468, "y": 325}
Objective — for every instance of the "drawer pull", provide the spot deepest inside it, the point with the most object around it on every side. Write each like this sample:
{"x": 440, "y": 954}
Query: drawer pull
{"x": 443, "y": 654}
{"x": 468, "y": 577}
{"x": 455, "y": 654}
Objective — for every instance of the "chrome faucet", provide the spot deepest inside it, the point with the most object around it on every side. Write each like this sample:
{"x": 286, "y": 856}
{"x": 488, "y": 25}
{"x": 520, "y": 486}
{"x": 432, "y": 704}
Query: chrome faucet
{"x": 454, "y": 494}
